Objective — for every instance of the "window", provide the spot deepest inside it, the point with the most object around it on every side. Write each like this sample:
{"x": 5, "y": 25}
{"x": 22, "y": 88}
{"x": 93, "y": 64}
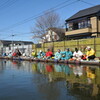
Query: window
{"x": 75, "y": 26}
{"x": 70, "y": 26}
{"x": 78, "y": 24}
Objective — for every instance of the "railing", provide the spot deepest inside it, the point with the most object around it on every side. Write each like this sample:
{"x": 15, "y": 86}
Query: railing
{"x": 78, "y": 31}
{"x": 79, "y": 27}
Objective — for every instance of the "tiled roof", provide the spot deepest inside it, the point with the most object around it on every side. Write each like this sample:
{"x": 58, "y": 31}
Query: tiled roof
{"x": 85, "y": 12}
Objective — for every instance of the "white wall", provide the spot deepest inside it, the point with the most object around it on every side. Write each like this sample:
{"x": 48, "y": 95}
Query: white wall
{"x": 27, "y": 49}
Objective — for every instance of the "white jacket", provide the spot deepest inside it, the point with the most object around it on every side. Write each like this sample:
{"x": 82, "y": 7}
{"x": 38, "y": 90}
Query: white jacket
{"x": 77, "y": 54}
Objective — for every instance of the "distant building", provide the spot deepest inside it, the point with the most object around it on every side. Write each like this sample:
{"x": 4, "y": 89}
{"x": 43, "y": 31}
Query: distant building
{"x": 54, "y": 34}
{"x": 84, "y": 24}
{"x": 8, "y": 46}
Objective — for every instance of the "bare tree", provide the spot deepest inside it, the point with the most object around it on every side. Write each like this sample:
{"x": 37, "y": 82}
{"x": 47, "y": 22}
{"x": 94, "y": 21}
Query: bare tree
{"x": 48, "y": 20}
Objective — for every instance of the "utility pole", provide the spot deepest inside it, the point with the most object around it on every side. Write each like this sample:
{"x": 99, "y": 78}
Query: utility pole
{"x": 12, "y": 41}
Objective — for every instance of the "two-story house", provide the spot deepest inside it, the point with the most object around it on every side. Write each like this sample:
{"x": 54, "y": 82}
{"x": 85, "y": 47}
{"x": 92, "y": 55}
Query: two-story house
{"x": 54, "y": 34}
{"x": 7, "y": 46}
{"x": 84, "y": 24}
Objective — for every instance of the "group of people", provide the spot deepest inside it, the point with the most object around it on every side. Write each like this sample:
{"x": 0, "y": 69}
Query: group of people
{"x": 66, "y": 55}
{"x": 14, "y": 53}
{"x": 59, "y": 55}
{"x": 42, "y": 55}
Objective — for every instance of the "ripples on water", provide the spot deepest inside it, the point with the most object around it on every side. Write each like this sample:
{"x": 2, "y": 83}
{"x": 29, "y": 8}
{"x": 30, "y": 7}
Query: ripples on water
{"x": 47, "y": 81}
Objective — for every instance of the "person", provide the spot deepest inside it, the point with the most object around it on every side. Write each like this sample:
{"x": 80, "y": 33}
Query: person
{"x": 68, "y": 54}
{"x": 10, "y": 55}
{"x": 49, "y": 54}
{"x": 24, "y": 54}
{"x": 40, "y": 54}
{"x": 14, "y": 53}
{"x": 33, "y": 54}
{"x": 18, "y": 53}
{"x": 77, "y": 55}
{"x": 90, "y": 53}
{"x": 4, "y": 54}
{"x": 63, "y": 55}
{"x": 57, "y": 55}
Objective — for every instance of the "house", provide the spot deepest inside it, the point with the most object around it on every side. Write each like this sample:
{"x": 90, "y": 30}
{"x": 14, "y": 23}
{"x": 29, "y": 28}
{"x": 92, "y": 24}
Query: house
{"x": 54, "y": 34}
{"x": 7, "y": 46}
{"x": 84, "y": 24}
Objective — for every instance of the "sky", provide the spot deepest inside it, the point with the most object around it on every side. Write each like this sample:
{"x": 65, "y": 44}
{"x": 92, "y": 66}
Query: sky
{"x": 17, "y": 17}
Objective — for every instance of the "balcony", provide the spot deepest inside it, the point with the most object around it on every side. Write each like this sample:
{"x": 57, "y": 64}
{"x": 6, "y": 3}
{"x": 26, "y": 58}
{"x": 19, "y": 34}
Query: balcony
{"x": 78, "y": 31}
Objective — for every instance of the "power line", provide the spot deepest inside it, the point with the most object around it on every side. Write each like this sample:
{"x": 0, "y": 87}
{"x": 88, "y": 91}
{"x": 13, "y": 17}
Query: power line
{"x": 5, "y": 37}
{"x": 58, "y": 5}
{"x": 31, "y": 18}
{"x": 14, "y": 35}
{"x": 21, "y": 34}
{"x": 7, "y": 4}
{"x": 39, "y": 15}
{"x": 86, "y": 2}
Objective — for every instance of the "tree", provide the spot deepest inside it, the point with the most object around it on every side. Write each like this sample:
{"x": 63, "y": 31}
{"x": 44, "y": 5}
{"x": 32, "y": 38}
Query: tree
{"x": 47, "y": 20}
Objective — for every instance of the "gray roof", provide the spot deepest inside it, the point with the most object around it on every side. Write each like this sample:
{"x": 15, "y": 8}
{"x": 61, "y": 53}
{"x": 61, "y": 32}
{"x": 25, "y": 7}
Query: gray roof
{"x": 7, "y": 42}
{"x": 85, "y": 12}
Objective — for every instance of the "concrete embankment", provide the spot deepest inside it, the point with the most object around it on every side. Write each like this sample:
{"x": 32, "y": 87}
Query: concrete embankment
{"x": 84, "y": 62}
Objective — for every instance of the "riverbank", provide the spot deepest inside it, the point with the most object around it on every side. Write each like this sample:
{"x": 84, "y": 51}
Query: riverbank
{"x": 82, "y": 62}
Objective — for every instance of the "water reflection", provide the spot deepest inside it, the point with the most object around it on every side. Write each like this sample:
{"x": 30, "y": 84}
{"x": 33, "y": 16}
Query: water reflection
{"x": 48, "y": 81}
{"x": 80, "y": 80}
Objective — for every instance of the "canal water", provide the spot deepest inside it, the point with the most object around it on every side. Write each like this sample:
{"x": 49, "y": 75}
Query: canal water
{"x": 23, "y": 80}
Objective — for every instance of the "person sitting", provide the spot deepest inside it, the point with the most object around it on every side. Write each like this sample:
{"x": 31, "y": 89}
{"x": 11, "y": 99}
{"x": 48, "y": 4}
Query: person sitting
{"x": 14, "y": 54}
{"x": 77, "y": 55}
{"x": 90, "y": 53}
{"x": 10, "y": 55}
{"x": 57, "y": 55}
{"x": 63, "y": 55}
{"x": 4, "y": 54}
{"x": 24, "y": 54}
{"x": 41, "y": 54}
{"x": 18, "y": 53}
{"x": 49, "y": 54}
{"x": 33, "y": 54}
{"x": 68, "y": 54}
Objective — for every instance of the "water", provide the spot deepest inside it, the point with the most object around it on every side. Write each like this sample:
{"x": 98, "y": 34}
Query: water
{"x": 23, "y": 80}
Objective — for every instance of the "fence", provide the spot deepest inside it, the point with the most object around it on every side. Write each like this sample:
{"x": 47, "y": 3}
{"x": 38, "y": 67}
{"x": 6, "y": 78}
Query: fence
{"x": 81, "y": 44}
